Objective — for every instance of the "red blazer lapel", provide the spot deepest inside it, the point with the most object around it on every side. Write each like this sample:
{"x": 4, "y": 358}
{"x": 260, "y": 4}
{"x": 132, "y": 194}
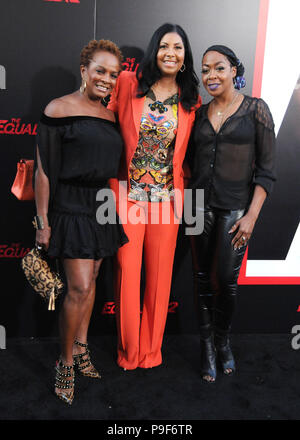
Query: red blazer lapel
{"x": 137, "y": 109}
{"x": 183, "y": 118}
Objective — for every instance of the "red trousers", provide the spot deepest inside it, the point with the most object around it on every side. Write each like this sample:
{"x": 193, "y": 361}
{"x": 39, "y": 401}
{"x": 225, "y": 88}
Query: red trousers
{"x": 140, "y": 335}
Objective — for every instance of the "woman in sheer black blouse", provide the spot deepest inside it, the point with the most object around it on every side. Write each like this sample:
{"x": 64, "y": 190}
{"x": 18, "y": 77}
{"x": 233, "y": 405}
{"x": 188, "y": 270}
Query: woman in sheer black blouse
{"x": 231, "y": 156}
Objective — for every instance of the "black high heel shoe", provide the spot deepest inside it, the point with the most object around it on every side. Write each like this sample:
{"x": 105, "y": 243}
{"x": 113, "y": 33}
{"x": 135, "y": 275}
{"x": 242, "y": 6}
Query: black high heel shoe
{"x": 83, "y": 362}
{"x": 64, "y": 382}
{"x": 224, "y": 354}
{"x": 208, "y": 360}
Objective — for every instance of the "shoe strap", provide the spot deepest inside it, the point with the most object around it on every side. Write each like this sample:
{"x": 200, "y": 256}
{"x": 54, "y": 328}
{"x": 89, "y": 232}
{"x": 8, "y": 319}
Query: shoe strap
{"x": 81, "y": 363}
{"x": 80, "y": 355}
{"x": 81, "y": 344}
{"x": 60, "y": 378}
{"x": 63, "y": 381}
{"x": 83, "y": 367}
{"x": 63, "y": 387}
{"x": 59, "y": 365}
{"x": 64, "y": 374}
{"x": 79, "y": 358}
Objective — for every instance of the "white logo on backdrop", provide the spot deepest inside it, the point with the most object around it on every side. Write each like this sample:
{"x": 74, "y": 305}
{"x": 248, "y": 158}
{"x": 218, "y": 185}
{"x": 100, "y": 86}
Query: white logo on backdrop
{"x": 2, "y": 77}
{"x": 2, "y": 338}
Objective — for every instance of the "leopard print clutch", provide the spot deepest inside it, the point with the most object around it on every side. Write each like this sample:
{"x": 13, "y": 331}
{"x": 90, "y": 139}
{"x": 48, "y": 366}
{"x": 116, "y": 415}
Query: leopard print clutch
{"x": 44, "y": 280}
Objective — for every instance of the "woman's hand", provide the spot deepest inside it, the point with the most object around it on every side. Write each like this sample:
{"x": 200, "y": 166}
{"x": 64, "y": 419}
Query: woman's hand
{"x": 244, "y": 227}
{"x": 42, "y": 237}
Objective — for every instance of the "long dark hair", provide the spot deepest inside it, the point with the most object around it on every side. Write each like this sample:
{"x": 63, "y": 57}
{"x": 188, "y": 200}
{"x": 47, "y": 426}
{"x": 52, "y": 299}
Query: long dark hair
{"x": 148, "y": 72}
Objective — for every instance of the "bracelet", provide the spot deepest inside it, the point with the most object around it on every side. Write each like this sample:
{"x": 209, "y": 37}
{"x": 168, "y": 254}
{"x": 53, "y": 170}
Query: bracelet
{"x": 38, "y": 222}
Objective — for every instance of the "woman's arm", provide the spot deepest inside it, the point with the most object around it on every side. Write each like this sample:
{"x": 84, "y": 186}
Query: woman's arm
{"x": 42, "y": 192}
{"x": 264, "y": 175}
{"x": 47, "y": 162}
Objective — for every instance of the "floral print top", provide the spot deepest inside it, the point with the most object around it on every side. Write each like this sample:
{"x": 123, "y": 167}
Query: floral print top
{"x": 151, "y": 168}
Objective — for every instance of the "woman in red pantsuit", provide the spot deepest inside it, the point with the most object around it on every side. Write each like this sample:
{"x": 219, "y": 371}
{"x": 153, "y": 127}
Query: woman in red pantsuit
{"x": 156, "y": 109}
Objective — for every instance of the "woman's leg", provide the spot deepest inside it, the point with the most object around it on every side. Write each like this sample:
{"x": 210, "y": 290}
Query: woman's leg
{"x": 79, "y": 275}
{"x": 159, "y": 250}
{"x": 82, "y": 331}
{"x": 202, "y": 247}
{"x": 127, "y": 289}
{"x": 80, "y": 347}
{"x": 225, "y": 278}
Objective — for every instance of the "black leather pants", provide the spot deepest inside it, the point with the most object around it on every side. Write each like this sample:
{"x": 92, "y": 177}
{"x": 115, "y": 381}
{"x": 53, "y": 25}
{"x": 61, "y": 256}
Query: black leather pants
{"x": 216, "y": 267}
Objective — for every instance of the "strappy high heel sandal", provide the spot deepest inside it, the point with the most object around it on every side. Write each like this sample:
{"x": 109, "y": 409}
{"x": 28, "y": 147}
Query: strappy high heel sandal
{"x": 64, "y": 380}
{"x": 83, "y": 362}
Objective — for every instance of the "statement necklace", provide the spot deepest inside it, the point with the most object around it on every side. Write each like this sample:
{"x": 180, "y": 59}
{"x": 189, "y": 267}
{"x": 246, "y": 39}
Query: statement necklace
{"x": 159, "y": 105}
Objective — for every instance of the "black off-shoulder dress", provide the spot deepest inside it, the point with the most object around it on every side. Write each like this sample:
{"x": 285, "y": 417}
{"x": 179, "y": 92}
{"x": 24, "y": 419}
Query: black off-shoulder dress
{"x": 79, "y": 154}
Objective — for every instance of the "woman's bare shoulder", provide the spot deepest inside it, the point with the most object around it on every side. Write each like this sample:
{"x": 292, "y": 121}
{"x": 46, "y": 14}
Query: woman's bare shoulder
{"x": 60, "y": 107}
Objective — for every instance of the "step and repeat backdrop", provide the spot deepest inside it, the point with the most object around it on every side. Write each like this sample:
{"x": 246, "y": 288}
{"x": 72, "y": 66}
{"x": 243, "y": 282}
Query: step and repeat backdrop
{"x": 40, "y": 45}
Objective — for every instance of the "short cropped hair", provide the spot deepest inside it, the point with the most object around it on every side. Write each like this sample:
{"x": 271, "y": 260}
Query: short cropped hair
{"x": 93, "y": 46}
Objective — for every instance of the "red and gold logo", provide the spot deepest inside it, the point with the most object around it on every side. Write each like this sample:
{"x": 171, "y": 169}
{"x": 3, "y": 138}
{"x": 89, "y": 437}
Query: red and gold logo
{"x": 15, "y": 126}
{"x": 130, "y": 64}
{"x": 14, "y": 250}
{"x": 110, "y": 306}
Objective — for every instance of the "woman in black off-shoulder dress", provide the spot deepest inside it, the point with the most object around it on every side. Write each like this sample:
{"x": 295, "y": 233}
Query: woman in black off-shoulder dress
{"x": 78, "y": 150}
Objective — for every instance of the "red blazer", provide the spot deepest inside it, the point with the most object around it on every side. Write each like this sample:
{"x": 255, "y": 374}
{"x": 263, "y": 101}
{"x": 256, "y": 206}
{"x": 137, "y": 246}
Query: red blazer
{"x": 129, "y": 108}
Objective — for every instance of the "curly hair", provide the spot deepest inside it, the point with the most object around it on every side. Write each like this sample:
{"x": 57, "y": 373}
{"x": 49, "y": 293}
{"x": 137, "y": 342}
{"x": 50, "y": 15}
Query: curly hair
{"x": 97, "y": 45}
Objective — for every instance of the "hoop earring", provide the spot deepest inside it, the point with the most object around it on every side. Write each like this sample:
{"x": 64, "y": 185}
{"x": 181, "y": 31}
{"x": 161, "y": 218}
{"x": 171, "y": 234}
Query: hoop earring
{"x": 83, "y": 86}
{"x": 182, "y": 68}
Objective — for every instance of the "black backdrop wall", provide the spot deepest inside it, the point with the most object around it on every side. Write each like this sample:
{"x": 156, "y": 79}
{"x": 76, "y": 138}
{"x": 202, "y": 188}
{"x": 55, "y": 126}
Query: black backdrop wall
{"x": 39, "y": 56}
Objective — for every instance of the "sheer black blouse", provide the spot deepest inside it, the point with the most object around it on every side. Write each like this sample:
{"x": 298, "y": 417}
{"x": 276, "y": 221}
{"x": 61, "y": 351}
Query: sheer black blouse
{"x": 228, "y": 164}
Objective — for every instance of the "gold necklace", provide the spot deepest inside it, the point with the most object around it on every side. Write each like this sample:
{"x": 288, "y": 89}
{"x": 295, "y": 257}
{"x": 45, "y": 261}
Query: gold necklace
{"x": 227, "y": 107}
{"x": 223, "y": 113}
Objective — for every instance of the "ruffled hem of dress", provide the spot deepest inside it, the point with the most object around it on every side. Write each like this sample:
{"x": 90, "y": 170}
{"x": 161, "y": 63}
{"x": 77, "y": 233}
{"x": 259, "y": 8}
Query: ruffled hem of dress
{"x": 84, "y": 254}
{"x": 82, "y": 238}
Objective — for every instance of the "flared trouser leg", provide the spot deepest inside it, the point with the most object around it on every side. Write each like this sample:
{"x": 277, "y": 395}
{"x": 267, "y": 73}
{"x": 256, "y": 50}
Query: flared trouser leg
{"x": 140, "y": 337}
{"x": 159, "y": 250}
{"x": 127, "y": 292}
